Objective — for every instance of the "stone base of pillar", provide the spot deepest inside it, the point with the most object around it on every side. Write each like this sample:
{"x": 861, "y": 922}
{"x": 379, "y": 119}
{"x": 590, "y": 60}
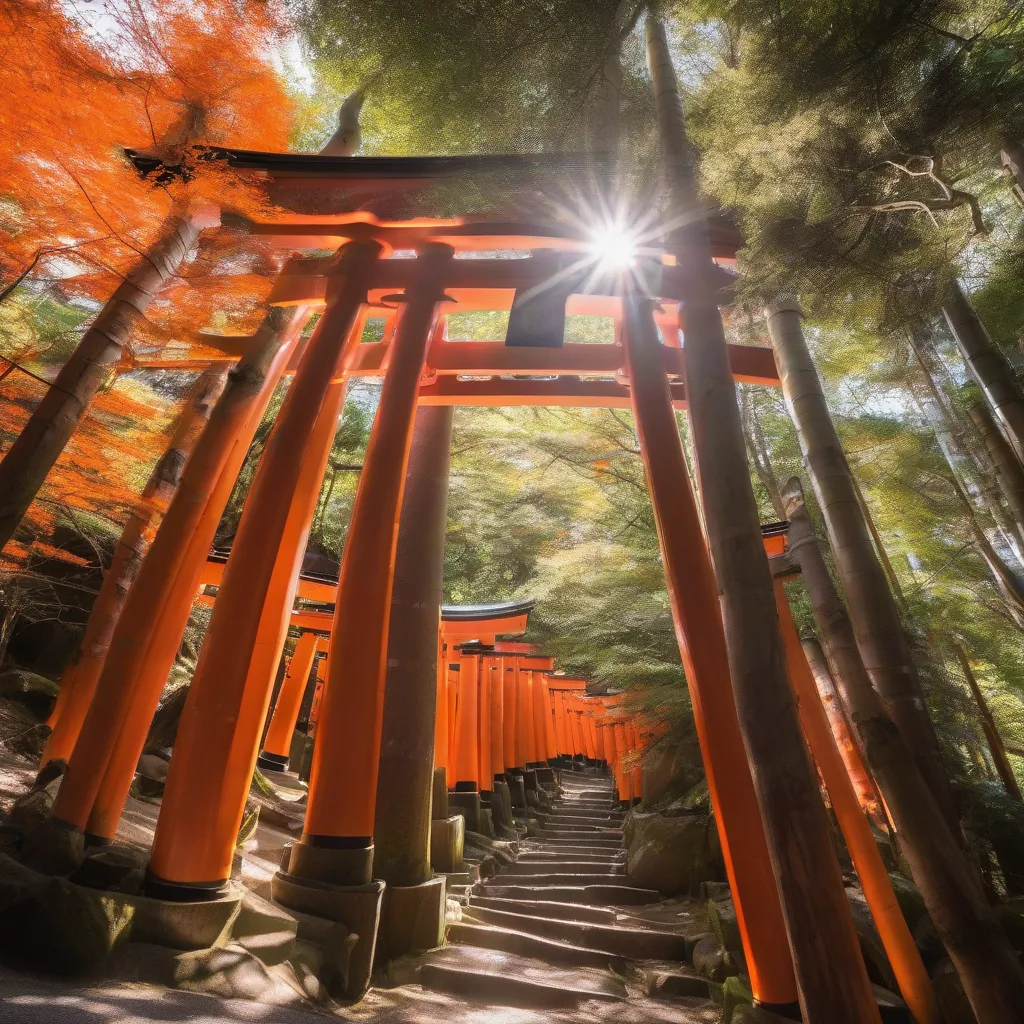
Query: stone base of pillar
{"x": 486, "y": 823}
{"x": 177, "y": 917}
{"x": 447, "y": 841}
{"x": 516, "y": 789}
{"x": 353, "y": 867}
{"x": 439, "y": 794}
{"x": 530, "y": 780}
{"x": 319, "y": 908}
{"x": 545, "y": 776}
{"x": 271, "y": 762}
{"x": 412, "y": 919}
{"x": 468, "y": 805}
{"x": 501, "y": 804}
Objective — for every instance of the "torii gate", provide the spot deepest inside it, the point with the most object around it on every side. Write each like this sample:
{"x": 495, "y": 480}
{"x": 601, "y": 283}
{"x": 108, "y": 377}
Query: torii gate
{"x": 220, "y": 729}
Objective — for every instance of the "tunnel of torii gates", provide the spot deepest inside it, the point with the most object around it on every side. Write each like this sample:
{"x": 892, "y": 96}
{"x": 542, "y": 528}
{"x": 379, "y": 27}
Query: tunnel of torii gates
{"x": 488, "y": 711}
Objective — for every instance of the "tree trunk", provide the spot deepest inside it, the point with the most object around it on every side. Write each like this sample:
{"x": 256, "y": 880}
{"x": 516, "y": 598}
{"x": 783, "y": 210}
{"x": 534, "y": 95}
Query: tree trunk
{"x": 757, "y": 449}
{"x": 969, "y": 459}
{"x": 78, "y": 683}
{"x": 831, "y": 978}
{"x": 1013, "y": 163}
{"x": 1006, "y": 581}
{"x": 867, "y": 794}
{"x": 45, "y": 435}
{"x": 1009, "y": 472}
{"x": 402, "y": 825}
{"x": 988, "y": 724}
{"x": 988, "y": 365}
{"x": 880, "y": 638}
{"x": 988, "y": 966}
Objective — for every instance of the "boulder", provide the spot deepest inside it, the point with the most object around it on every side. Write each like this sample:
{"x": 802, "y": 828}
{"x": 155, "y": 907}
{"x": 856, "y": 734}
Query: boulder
{"x": 673, "y": 854}
{"x": 879, "y": 969}
{"x": 21, "y": 732}
{"x": 35, "y": 693}
{"x": 151, "y": 775}
{"x": 949, "y": 993}
{"x": 54, "y": 926}
{"x": 51, "y": 849}
{"x": 722, "y": 916}
{"x": 711, "y": 961}
{"x": 909, "y": 897}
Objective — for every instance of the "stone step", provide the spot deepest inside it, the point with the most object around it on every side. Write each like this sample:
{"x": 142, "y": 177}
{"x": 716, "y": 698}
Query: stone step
{"x": 556, "y": 878}
{"x": 546, "y": 909}
{"x": 498, "y": 978}
{"x": 578, "y": 834}
{"x": 568, "y": 867}
{"x": 603, "y": 857}
{"x": 631, "y": 943}
{"x": 596, "y": 895}
{"x": 557, "y": 843}
{"x": 568, "y": 821}
{"x": 552, "y": 951}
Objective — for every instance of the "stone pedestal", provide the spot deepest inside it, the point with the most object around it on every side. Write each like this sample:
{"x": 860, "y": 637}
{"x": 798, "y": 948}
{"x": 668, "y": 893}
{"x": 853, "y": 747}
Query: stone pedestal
{"x": 545, "y": 777}
{"x": 468, "y": 805}
{"x": 447, "y": 841}
{"x": 319, "y": 908}
{"x": 530, "y": 780}
{"x": 331, "y": 865}
{"x": 501, "y": 804}
{"x": 412, "y": 919}
{"x": 516, "y": 789}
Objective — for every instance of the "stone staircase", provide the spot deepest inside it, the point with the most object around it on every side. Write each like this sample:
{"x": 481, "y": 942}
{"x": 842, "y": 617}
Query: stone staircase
{"x": 556, "y": 925}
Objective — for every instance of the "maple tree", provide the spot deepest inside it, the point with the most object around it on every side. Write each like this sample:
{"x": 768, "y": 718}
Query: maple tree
{"x": 75, "y": 213}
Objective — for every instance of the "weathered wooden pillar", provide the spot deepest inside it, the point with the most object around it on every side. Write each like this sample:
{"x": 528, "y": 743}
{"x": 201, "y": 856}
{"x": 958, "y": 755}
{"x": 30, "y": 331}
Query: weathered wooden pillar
{"x": 914, "y": 984}
{"x": 223, "y": 716}
{"x": 278, "y": 741}
{"x": 151, "y": 625}
{"x": 833, "y": 984}
{"x": 413, "y": 904}
{"x": 78, "y": 684}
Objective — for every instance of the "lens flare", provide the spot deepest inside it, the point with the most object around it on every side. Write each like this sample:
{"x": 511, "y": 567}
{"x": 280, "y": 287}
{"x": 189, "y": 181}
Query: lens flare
{"x": 614, "y": 247}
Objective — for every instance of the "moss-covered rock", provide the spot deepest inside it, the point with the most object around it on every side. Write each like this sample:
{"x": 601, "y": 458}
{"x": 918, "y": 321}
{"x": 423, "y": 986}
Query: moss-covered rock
{"x": 52, "y": 925}
{"x": 673, "y": 854}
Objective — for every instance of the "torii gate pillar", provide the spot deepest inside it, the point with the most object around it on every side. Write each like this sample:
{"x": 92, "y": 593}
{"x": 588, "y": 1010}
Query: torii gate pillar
{"x": 413, "y": 913}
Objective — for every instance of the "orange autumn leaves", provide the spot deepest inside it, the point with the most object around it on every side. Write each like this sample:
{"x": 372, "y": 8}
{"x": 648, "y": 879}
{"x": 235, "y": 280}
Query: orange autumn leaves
{"x": 82, "y": 82}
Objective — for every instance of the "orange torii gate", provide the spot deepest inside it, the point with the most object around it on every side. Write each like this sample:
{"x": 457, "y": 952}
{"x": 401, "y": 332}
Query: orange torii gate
{"x": 420, "y": 363}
